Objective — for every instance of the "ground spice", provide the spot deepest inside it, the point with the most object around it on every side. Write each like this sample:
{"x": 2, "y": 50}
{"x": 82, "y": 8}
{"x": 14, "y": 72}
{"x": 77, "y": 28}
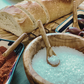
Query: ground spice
{"x": 6, "y": 64}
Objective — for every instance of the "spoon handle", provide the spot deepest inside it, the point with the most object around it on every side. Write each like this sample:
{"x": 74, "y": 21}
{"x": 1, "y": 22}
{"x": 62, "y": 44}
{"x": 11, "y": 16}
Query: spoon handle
{"x": 44, "y": 36}
{"x": 75, "y": 20}
{"x": 14, "y": 45}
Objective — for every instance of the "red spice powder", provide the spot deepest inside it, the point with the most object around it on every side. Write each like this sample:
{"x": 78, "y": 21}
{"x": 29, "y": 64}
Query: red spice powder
{"x": 5, "y": 65}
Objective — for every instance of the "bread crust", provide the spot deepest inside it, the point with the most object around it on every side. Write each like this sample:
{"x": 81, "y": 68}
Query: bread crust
{"x": 57, "y": 8}
{"x": 33, "y": 9}
{"x": 64, "y": 1}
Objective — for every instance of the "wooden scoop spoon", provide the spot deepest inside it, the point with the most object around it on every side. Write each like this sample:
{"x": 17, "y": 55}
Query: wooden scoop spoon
{"x": 75, "y": 20}
{"x": 11, "y": 48}
{"x": 50, "y": 52}
{"x": 14, "y": 45}
{"x": 75, "y": 29}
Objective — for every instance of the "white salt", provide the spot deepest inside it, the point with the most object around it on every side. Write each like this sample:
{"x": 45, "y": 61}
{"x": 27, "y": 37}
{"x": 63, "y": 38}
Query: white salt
{"x": 53, "y": 60}
{"x": 69, "y": 71}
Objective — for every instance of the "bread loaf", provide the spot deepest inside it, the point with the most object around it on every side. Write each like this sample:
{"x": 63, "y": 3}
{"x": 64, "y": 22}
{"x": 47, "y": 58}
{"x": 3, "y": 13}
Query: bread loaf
{"x": 57, "y": 8}
{"x": 34, "y": 10}
{"x": 23, "y": 16}
{"x": 15, "y": 20}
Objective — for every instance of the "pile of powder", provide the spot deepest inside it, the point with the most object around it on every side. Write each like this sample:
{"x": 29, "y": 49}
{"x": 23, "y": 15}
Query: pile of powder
{"x": 69, "y": 71}
{"x": 6, "y": 63}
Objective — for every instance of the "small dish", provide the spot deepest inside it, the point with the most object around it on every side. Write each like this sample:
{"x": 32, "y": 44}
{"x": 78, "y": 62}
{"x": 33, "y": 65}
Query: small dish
{"x": 68, "y": 22}
{"x": 18, "y": 50}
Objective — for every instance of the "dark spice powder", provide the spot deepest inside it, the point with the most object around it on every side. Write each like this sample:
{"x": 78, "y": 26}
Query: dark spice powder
{"x": 6, "y": 63}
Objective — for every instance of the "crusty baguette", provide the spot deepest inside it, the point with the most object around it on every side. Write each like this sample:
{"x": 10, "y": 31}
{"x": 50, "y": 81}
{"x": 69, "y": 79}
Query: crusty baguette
{"x": 57, "y": 8}
{"x": 15, "y": 20}
{"x": 34, "y": 10}
{"x": 21, "y": 18}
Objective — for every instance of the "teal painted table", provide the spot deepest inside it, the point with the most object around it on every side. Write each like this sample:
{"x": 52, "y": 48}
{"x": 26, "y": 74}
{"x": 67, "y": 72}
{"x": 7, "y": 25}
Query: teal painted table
{"x": 19, "y": 76}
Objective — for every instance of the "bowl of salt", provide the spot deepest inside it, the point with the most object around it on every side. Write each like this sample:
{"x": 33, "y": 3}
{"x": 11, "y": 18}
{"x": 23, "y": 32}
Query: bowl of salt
{"x": 68, "y": 47}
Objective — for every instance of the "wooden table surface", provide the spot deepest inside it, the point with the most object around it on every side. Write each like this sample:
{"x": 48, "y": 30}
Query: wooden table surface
{"x": 19, "y": 76}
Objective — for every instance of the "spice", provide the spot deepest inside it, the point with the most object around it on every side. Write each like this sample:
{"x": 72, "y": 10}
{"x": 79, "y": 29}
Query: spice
{"x": 7, "y": 64}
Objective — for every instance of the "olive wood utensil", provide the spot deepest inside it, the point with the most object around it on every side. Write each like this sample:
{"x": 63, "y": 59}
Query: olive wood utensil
{"x": 14, "y": 45}
{"x": 75, "y": 20}
{"x": 11, "y": 48}
{"x": 50, "y": 52}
